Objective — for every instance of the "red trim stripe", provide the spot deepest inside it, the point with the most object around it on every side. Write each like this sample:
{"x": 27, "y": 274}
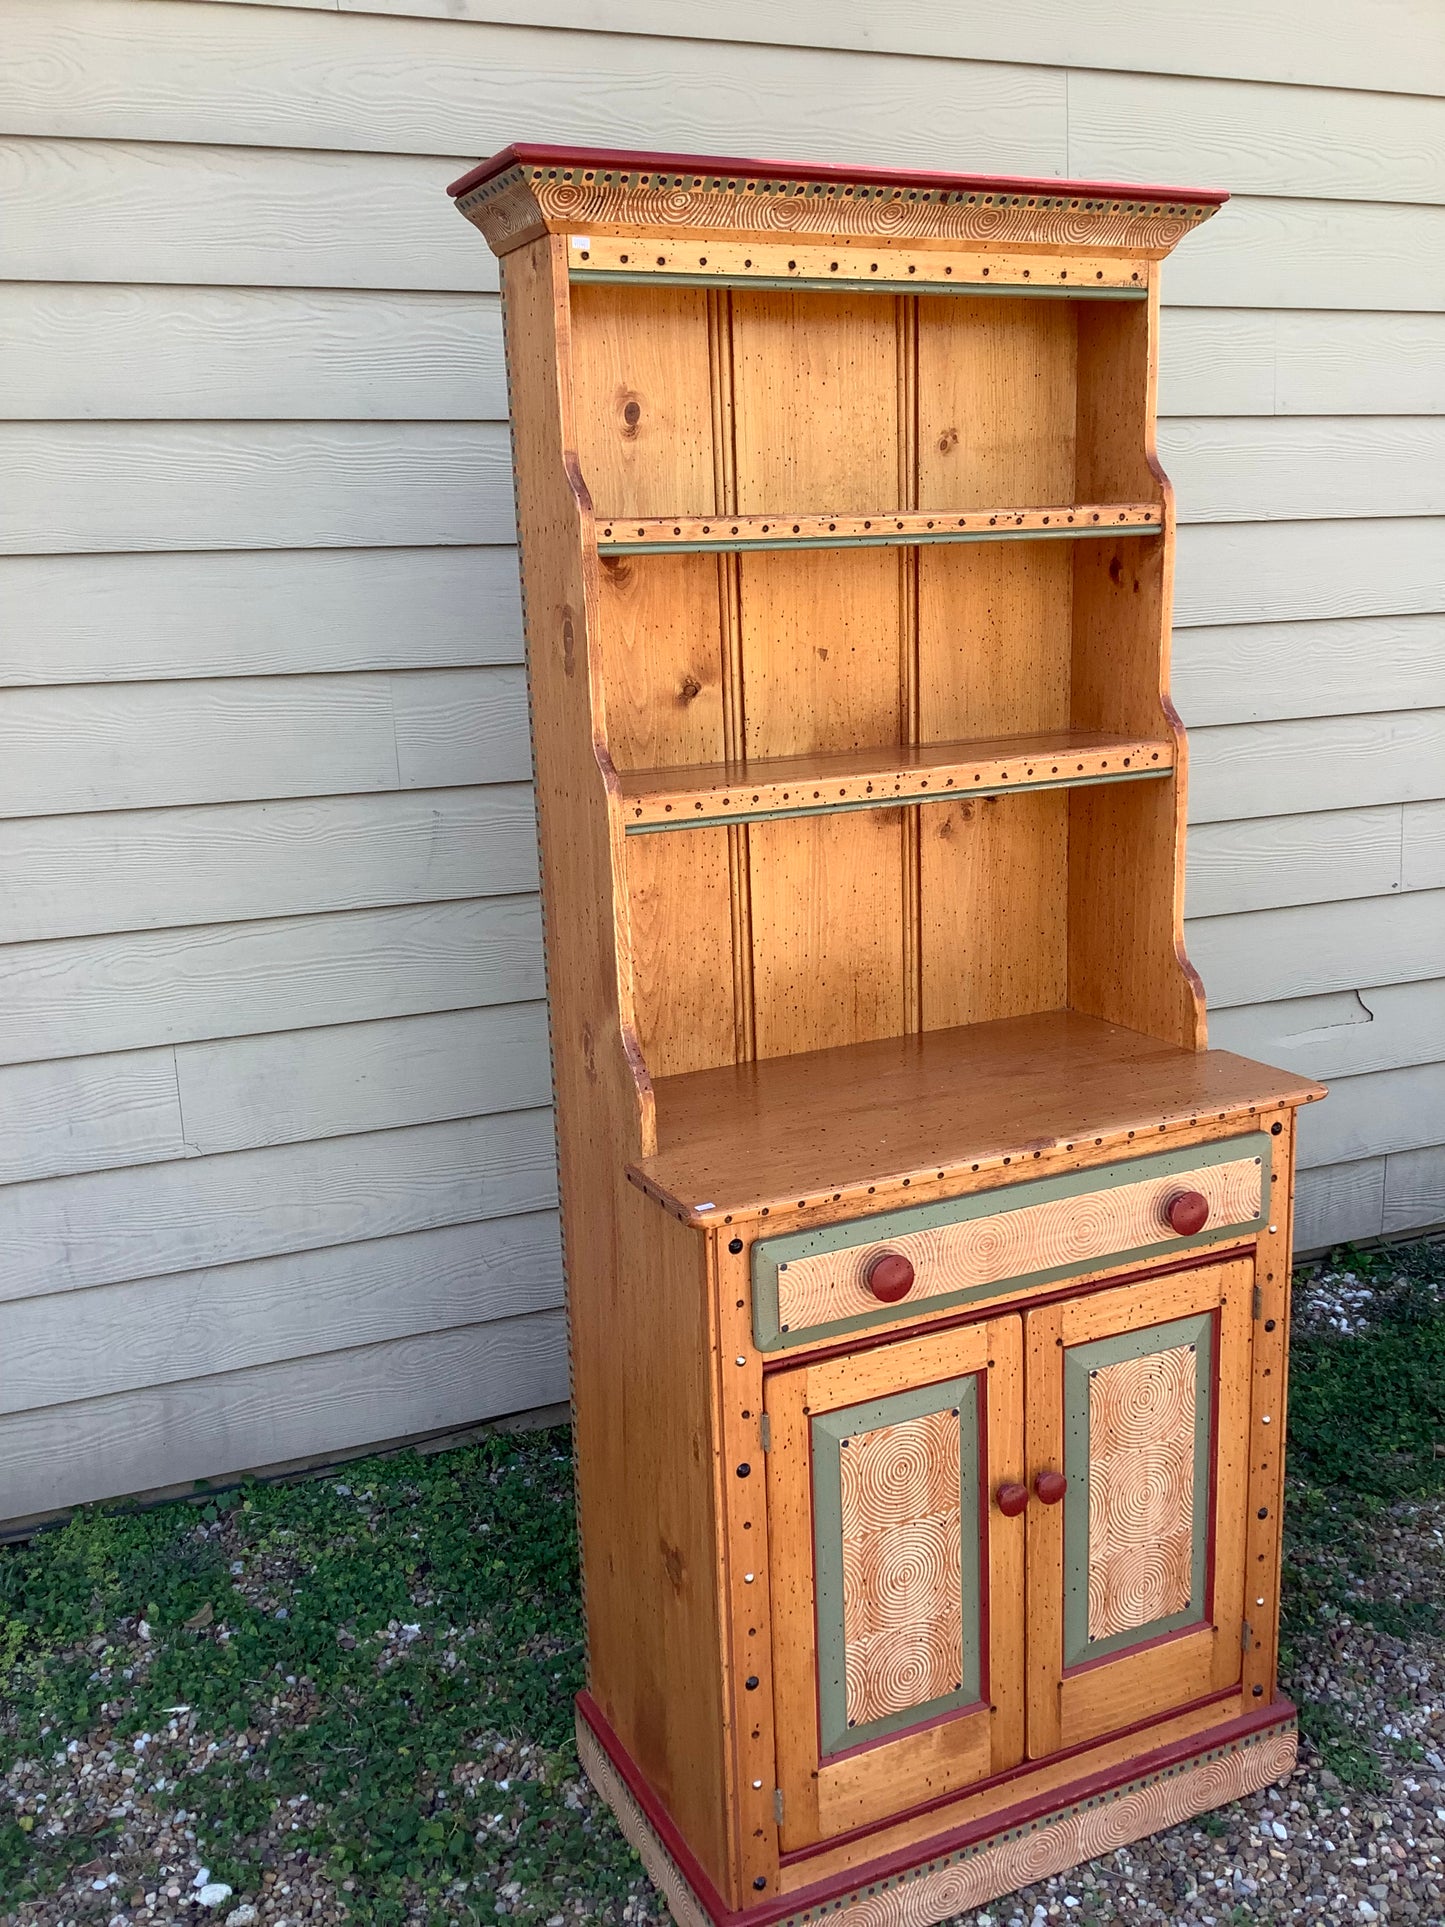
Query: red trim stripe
{"x": 641, "y": 160}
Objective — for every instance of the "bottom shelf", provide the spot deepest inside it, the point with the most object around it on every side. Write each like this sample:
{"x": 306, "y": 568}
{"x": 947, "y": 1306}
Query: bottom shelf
{"x": 791, "y": 1132}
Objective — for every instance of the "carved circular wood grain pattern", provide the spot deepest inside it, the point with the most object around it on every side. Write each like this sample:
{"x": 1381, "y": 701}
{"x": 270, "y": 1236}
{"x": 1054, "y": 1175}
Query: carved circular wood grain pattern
{"x": 901, "y": 1553}
{"x": 899, "y": 1473}
{"x": 1142, "y": 1401}
{"x": 505, "y": 205}
{"x": 1143, "y": 1493}
{"x": 1141, "y": 1489}
{"x": 929, "y": 1898}
{"x": 895, "y": 1577}
{"x": 1008, "y": 1244}
{"x": 891, "y": 1672}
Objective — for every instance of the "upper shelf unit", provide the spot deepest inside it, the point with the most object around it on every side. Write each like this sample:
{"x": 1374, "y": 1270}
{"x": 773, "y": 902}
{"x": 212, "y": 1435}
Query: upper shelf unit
{"x": 666, "y": 534}
{"x": 933, "y": 399}
{"x": 826, "y": 783}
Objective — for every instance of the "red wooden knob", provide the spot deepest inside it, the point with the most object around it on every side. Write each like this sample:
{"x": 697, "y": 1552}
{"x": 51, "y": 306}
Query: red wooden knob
{"x": 1012, "y": 1499}
{"x": 1051, "y": 1487}
{"x": 1187, "y": 1212}
{"x": 889, "y": 1276}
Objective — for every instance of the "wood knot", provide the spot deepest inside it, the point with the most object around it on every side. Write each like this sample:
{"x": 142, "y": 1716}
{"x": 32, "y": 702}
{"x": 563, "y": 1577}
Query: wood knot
{"x": 1116, "y": 570}
{"x": 691, "y": 688}
{"x": 948, "y": 441}
{"x": 631, "y": 415}
{"x": 676, "y": 1568}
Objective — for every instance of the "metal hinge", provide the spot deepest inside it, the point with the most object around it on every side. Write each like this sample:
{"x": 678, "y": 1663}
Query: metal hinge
{"x": 1246, "y": 1633}
{"x": 1258, "y": 1301}
{"x": 778, "y": 1804}
{"x": 766, "y": 1428}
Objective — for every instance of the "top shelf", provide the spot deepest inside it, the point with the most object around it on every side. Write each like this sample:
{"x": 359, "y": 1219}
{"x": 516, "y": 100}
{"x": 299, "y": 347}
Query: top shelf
{"x": 666, "y": 534}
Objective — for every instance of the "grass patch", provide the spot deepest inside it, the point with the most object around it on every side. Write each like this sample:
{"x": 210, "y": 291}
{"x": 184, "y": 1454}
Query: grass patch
{"x": 398, "y": 1647}
{"x": 1366, "y": 1437}
{"x": 1339, "y": 1746}
{"x": 1367, "y": 1412}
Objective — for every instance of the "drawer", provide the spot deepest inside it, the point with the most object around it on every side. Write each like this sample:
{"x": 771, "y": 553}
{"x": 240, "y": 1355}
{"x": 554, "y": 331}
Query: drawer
{"x": 811, "y": 1285}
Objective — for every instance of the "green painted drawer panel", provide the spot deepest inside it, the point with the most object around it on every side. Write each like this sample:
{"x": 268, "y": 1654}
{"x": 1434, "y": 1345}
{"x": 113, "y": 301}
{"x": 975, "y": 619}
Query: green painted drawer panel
{"x": 809, "y": 1286}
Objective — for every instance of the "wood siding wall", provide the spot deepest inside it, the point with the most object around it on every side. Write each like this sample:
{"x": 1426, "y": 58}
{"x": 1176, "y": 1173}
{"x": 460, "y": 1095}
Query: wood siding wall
{"x": 275, "y": 1153}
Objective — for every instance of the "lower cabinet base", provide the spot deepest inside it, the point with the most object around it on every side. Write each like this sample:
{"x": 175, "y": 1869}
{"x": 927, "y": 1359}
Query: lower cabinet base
{"x": 969, "y": 1865}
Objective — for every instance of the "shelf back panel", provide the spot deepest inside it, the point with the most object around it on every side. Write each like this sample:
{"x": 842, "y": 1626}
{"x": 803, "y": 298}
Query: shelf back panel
{"x": 818, "y": 417}
{"x": 996, "y": 380}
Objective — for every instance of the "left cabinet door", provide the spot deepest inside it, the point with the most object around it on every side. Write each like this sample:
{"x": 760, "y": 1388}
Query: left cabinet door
{"x": 897, "y": 1582}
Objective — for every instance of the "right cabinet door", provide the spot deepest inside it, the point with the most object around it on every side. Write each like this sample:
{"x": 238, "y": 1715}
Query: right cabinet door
{"x": 1139, "y": 1397}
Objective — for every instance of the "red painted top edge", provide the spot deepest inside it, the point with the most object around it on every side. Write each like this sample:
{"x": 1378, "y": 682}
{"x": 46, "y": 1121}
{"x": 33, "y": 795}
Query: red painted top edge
{"x": 531, "y": 154}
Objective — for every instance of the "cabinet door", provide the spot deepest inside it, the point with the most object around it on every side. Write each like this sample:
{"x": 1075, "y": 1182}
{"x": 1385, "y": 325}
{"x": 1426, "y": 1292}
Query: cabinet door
{"x": 897, "y": 1584}
{"x": 1140, "y": 1397}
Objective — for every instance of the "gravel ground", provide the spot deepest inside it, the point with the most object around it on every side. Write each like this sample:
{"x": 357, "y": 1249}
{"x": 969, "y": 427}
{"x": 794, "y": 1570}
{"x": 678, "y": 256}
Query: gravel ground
{"x": 1357, "y": 1834}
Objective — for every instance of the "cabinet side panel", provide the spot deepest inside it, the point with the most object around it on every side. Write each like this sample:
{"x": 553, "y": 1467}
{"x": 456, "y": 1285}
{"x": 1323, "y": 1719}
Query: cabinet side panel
{"x": 604, "y": 1097}
{"x": 1267, "y": 1424}
{"x": 1115, "y": 434}
{"x": 645, "y": 1428}
{"x": 816, "y": 427}
{"x": 1127, "y": 961}
{"x": 636, "y": 1283}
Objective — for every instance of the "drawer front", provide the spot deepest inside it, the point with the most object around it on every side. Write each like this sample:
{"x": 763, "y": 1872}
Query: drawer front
{"x": 811, "y": 1285}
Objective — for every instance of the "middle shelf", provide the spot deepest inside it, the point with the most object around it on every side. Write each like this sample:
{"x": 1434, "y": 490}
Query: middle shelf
{"x": 831, "y": 781}
{"x": 671, "y": 534}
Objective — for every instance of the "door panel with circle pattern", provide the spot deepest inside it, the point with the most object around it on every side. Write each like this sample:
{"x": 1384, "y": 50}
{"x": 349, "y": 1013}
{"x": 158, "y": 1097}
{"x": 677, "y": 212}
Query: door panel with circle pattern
{"x": 897, "y": 1585}
{"x": 1140, "y": 1396}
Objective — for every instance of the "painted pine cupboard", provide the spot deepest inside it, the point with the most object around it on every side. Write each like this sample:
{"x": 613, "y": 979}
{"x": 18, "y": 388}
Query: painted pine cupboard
{"x": 927, "y": 1274}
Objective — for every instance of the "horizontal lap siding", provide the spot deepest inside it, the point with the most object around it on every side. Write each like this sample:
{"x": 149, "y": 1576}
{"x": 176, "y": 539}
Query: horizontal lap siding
{"x": 140, "y": 745}
{"x": 76, "y": 351}
{"x": 1284, "y": 40}
{"x": 208, "y": 485}
{"x": 275, "y": 1147}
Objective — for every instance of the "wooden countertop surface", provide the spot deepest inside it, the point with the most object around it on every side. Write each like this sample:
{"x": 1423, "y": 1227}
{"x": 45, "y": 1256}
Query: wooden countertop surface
{"x": 877, "y": 1123}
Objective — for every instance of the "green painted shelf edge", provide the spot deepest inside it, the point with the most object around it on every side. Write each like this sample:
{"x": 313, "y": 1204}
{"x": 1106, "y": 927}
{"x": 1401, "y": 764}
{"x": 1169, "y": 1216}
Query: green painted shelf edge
{"x": 894, "y": 800}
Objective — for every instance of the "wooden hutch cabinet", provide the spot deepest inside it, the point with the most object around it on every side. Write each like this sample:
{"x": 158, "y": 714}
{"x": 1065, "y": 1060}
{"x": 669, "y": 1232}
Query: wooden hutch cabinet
{"x": 928, "y": 1277}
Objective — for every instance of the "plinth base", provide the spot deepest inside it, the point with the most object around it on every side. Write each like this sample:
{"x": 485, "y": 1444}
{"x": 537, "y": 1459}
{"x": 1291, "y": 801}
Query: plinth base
{"x": 966, "y": 1866}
